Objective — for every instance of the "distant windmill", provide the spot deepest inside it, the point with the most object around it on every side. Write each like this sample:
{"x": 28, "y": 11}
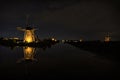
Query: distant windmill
{"x": 29, "y": 35}
{"x": 107, "y": 37}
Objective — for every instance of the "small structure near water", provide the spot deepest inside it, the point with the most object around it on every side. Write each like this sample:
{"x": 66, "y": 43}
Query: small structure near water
{"x": 107, "y": 38}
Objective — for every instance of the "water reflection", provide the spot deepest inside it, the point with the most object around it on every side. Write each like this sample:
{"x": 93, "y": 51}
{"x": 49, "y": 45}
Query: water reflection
{"x": 58, "y": 61}
{"x": 29, "y": 53}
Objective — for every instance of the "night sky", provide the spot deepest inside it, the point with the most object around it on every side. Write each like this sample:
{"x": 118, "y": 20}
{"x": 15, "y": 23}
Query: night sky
{"x": 68, "y": 19}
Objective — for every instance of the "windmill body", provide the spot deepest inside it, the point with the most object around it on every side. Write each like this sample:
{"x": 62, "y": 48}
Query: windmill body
{"x": 29, "y": 35}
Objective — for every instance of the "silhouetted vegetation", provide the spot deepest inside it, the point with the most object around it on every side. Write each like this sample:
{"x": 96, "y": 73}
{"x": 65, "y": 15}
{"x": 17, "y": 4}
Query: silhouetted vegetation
{"x": 12, "y": 42}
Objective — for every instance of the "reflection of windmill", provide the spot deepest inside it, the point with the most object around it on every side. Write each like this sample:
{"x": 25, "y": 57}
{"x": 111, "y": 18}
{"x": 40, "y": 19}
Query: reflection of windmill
{"x": 29, "y": 35}
{"x": 28, "y": 53}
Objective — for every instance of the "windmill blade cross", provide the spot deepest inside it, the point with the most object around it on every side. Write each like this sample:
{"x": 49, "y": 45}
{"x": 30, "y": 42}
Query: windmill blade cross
{"x": 20, "y": 29}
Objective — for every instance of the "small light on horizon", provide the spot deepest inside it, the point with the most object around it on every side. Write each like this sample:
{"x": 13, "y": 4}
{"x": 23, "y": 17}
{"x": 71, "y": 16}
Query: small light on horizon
{"x": 53, "y": 39}
{"x": 81, "y": 40}
{"x": 63, "y": 41}
{"x": 107, "y": 38}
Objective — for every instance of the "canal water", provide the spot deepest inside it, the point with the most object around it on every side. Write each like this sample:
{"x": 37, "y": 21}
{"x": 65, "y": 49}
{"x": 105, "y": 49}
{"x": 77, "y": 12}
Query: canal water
{"x": 60, "y": 61}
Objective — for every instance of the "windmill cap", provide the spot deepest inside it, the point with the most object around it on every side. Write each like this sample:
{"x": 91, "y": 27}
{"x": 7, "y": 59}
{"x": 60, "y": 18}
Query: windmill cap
{"x": 29, "y": 28}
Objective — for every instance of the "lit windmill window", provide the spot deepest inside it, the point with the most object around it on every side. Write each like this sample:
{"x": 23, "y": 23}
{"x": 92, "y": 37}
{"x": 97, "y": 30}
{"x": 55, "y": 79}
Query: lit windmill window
{"x": 29, "y": 36}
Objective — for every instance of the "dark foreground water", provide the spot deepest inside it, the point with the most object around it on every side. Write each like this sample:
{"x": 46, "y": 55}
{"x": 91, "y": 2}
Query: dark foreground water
{"x": 61, "y": 61}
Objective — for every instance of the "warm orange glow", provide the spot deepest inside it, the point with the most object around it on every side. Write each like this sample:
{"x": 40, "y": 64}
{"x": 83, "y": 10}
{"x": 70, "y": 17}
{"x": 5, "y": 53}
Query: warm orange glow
{"x": 29, "y": 53}
{"x": 28, "y": 39}
{"x": 29, "y": 36}
{"x": 107, "y": 39}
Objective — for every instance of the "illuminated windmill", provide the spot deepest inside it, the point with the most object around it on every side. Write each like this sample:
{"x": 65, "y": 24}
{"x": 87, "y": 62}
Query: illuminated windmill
{"x": 29, "y": 35}
{"x": 107, "y": 38}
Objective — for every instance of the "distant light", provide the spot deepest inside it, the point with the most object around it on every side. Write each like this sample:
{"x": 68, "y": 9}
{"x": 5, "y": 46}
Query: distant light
{"x": 53, "y": 39}
{"x": 16, "y": 38}
{"x": 17, "y": 42}
{"x": 81, "y": 40}
{"x": 66, "y": 40}
{"x": 75, "y": 41}
{"x": 107, "y": 39}
{"x": 63, "y": 41}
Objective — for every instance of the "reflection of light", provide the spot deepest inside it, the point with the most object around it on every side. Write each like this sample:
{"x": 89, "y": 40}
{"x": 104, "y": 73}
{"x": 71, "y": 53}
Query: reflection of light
{"x": 29, "y": 53}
